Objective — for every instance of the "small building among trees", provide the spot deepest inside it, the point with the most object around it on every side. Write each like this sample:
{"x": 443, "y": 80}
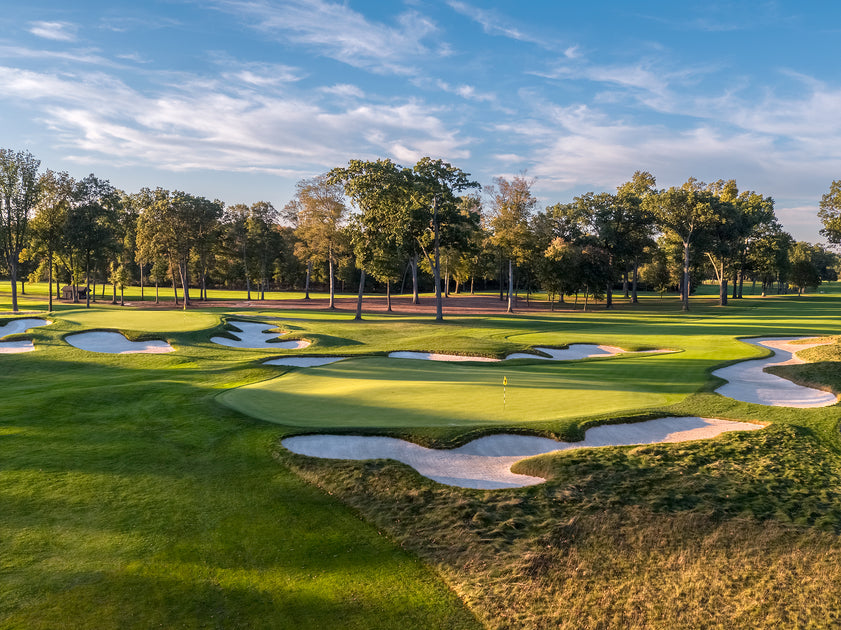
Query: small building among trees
{"x": 67, "y": 292}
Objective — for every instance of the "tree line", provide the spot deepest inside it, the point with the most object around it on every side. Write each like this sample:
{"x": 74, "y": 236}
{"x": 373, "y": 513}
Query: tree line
{"x": 377, "y": 223}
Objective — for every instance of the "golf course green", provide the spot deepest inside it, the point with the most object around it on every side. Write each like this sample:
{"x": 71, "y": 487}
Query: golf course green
{"x": 152, "y": 490}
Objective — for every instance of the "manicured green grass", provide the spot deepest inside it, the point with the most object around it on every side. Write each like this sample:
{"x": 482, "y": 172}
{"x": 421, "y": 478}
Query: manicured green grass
{"x": 139, "y": 320}
{"x": 130, "y": 497}
{"x": 398, "y": 393}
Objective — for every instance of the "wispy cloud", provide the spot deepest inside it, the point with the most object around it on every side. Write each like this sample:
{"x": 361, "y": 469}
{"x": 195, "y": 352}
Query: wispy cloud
{"x": 57, "y": 31}
{"x": 494, "y": 23}
{"x": 335, "y": 30}
{"x": 84, "y": 56}
{"x": 217, "y": 124}
{"x": 467, "y": 92}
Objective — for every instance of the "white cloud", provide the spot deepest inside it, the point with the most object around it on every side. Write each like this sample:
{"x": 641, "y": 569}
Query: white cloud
{"x": 335, "y": 30}
{"x": 493, "y": 23}
{"x": 86, "y": 56}
{"x": 203, "y": 123}
{"x": 467, "y": 92}
{"x": 56, "y": 31}
{"x": 344, "y": 90}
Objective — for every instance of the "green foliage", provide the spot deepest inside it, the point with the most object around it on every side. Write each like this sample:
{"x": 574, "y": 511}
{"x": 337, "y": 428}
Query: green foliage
{"x": 830, "y": 213}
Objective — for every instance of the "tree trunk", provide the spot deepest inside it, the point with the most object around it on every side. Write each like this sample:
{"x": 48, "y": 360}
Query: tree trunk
{"x": 388, "y": 295}
{"x": 586, "y": 294}
{"x": 625, "y": 282}
{"x": 447, "y": 282}
{"x": 439, "y": 311}
{"x": 307, "y": 281}
{"x": 501, "y": 282}
{"x": 184, "y": 271}
{"x": 634, "y": 298}
{"x": 472, "y": 278}
{"x": 359, "y": 297}
{"x": 685, "y": 306}
{"x": 735, "y": 295}
{"x": 174, "y": 285}
{"x": 510, "y": 286}
{"x": 87, "y": 284}
{"x": 608, "y": 295}
{"x": 13, "y": 273}
{"x": 245, "y": 270}
{"x": 332, "y": 305}
{"x": 141, "y": 283}
{"x": 156, "y": 292}
{"x": 114, "y": 292}
{"x": 742, "y": 283}
{"x": 122, "y": 298}
{"x": 50, "y": 279}
{"x": 415, "y": 296}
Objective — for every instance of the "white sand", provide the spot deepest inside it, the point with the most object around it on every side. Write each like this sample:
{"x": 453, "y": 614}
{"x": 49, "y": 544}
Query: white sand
{"x": 486, "y": 463}
{"x": 19, "y": 326}
{"x": 435, "y": 356}
{"x": 115, "y": 343}
{"x": 303, "y": 361}
{"x": 254, "y": 336}
{"x": 749, "y": 382}
{"x": 574, "y": 352}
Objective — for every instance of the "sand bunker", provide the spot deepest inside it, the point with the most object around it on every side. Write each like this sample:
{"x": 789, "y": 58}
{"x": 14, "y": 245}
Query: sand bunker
{"x": 115, "y": 343}
{"x": 486, "y": 463}
{"x": 255, "y": 337}
{"x": 303, "y": 361}
{"x": 435, "y": 356}
{"x": 574, "y": 352}
{"x": 749, "y": 382}
{"x": 19, "y": 326}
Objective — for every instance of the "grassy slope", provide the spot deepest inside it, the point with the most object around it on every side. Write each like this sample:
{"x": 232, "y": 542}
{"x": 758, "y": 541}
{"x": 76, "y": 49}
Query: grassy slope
{"x": 129, "y": 498}
{"x": 180, "y": 497}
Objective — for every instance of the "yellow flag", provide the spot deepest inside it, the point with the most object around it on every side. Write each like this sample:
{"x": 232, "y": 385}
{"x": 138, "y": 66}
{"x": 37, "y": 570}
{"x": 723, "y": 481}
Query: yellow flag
{"x": 505, "y": 380}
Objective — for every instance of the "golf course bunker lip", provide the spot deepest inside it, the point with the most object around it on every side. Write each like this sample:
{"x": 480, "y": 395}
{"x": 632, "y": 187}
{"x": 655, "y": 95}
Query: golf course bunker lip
{"x": 255, "y": 337}
{"x": 574, "y": 352}
{"x": 303, "y": 361}
{"x": 485, "y": 463}
{"x": 748, "y": 381}
{"x": 106, "y": 342}
{"x": 20, "y": 326}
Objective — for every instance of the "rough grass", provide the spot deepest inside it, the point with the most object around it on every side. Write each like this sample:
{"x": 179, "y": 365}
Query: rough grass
{"x": 741, "y": 531}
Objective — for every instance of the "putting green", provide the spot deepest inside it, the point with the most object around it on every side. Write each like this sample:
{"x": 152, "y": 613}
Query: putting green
{"x": 389, "y": 393}
{"x": 140, "y": 320}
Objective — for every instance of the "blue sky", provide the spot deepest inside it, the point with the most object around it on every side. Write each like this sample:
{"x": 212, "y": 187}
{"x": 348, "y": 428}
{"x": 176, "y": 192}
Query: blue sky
{"x": 239, "y": 99}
